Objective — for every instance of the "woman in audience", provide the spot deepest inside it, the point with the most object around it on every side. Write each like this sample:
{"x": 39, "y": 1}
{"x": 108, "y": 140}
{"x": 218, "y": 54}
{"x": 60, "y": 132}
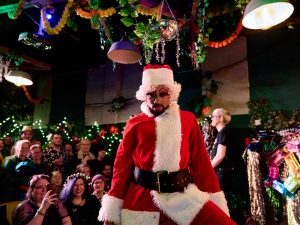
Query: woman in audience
{"x": 83, "y": 207}
{"x": 98, "y": 185}
{"x": 40, "y": 205}
{"x": 84, "y": 153}
{"x": 56, "y": 179}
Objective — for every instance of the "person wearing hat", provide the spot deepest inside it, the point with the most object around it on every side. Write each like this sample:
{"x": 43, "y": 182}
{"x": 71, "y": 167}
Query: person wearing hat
{"x": 162, "y": 172}
{"x": 98, "y": 184}
{"x": 27, "y": 133}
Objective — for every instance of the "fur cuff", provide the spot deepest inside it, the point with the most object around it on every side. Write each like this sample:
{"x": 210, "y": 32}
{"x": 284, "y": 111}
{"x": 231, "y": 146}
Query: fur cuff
{"x": 130, "y": 217}
{"x": 219, "y": 199}
{"x": 111, "y": 209}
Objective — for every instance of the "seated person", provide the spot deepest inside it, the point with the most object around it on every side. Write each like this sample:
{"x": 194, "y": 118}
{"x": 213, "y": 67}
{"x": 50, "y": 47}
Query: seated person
{"x": 83, "y": 207}
{"x": 40, "y": 205}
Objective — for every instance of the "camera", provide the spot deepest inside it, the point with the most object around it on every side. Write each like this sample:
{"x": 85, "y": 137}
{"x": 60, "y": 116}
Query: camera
{"x": 51, "y": 187}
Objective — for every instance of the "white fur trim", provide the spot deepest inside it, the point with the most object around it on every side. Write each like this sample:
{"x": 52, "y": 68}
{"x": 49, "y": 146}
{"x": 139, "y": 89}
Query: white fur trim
{"x": 130, "y": 217}
{"x": 174, "y": 91}
{"x": 219, "y": 199}
{"x": 181, "y": 207}
{"x": 168, "y": 140}
{"x": 111, "y": 209}
{"x": 157, "y": 76}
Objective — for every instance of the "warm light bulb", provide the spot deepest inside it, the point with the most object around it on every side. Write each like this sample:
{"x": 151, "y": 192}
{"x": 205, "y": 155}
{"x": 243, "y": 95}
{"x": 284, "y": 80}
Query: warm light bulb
{"x": 259, "y": 15}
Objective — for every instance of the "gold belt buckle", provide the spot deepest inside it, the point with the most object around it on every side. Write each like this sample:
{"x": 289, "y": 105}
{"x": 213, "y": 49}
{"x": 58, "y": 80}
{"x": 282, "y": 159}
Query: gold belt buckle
{"x": 158, "y": 179}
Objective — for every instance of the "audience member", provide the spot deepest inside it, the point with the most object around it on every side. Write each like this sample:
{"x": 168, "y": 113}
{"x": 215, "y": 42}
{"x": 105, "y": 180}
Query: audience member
{"x": 82, "y": 207}
{"x": 27, "y": 133}
{"x": 84, "y": 153}
{"x": 98, "y": 163}
{"x": 56, "y": 179}
{"x": 1, "y": 152}
{"x": 70, "y": 161}
{"x": 98, "y": 185}
{"x": 8, "y": 145}
{"x": 16, "y": 184}
{"x": 54, "y": 154}
{"x": 84, "y": 168}
{"x": 36, "y": 155}
{"x": 107, "y": 173}
{"x": 40, "y": 205}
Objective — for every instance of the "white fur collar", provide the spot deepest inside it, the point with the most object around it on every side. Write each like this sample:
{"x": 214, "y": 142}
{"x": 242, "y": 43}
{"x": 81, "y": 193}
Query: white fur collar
{"x": 168, "y": 138}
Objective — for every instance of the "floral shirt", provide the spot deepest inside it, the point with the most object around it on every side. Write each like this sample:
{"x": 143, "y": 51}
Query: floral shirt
{"x": 50, "y": 155}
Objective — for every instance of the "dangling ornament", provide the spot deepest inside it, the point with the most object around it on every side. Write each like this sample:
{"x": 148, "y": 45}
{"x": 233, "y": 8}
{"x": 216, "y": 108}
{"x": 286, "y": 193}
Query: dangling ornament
{"x": 169, "y": 29}
{"x": 157, "y": 57}
{"x": 177, "y": 50}
{"x": 163, "y": 51}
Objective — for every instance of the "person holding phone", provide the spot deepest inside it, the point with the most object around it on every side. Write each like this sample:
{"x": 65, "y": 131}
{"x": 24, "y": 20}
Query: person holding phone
{"x": 41, "y": 205}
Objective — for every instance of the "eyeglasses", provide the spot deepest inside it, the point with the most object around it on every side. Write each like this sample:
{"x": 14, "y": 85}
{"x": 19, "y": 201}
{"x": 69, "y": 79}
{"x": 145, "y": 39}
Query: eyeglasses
{"x": 40, "y": 187}
{"x": 215, "y": 116}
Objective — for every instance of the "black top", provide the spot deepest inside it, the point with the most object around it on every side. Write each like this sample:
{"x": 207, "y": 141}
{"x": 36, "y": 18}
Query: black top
{"x": 86, "y": 214}
{"x": 224, "y": 138}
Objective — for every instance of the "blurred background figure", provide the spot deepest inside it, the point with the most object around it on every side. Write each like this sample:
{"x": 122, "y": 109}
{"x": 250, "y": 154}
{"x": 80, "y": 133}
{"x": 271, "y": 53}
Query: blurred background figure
{"x": 98, "y": 163}
{"x": 41, "y": 206}
{"x": 36, "y": 155}
{"x": 84, "y": 153}
{"x": 82, "y": 207}
{"x": 16, "y": 184}
{"x": 56, "y": 179}
{"x": 107, "y": 173}
{"x": 27, "y": 133}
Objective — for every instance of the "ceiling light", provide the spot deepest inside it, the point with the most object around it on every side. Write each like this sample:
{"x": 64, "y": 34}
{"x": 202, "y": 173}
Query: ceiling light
{"x": 263, "y": 14}
{"x": 124, "y": 52}
{"x": 19, "y": 78}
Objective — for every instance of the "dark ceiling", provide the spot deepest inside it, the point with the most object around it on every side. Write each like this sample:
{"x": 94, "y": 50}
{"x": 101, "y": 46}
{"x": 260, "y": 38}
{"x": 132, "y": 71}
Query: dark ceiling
{"x": 80, "y": 49}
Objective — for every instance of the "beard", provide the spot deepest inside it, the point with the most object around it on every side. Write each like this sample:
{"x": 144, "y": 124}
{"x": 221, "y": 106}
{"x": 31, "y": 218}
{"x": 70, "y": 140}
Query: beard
{"x": 157, "y": 109}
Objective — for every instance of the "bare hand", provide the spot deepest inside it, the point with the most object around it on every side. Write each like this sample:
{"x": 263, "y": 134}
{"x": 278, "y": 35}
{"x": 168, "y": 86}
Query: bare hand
{"x": 50, "y": 198}
{"x": 58, "y": 162}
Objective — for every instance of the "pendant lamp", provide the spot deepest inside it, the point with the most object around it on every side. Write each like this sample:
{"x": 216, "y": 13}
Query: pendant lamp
{"x": 263, "y": 14}
{"x": 19, "y": 78}
{"x": 124, "y": 52}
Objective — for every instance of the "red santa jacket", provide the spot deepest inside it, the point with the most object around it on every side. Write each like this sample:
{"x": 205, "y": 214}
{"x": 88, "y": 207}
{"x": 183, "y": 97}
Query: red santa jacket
{"x": 170, "y": 142}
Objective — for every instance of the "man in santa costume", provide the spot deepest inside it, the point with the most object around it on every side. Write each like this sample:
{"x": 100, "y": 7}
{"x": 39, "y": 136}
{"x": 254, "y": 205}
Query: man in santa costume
{"x": 162, "y": 172}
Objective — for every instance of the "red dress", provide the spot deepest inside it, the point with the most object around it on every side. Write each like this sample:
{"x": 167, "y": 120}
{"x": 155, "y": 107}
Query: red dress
{"x": 171, "y": 141}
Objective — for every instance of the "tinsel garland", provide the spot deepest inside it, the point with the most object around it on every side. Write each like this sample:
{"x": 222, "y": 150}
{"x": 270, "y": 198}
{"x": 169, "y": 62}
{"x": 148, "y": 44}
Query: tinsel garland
{"x": 62, "y": 22}
{"x": 101, "y": 13}
{"x": 144, "y": 10}
{"x": 293, "y": 210}
{"x": 226, "y": 41}
{"x": 257, "y": 202}
{"x": 17, "y": 12}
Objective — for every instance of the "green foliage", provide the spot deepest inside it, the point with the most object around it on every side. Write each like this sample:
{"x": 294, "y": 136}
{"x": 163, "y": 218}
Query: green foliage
{"x": 261, "y": 110}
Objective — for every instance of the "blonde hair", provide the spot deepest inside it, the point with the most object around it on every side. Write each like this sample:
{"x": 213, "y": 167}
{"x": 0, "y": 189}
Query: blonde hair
{"x": 224, "y": 113}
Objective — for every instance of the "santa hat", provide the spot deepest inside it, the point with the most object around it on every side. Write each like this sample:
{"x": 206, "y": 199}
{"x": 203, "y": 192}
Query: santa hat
{"x": 154, "y": 75}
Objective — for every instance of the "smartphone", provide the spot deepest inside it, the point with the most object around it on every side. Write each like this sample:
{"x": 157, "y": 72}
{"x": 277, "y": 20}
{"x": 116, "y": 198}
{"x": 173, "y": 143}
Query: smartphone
{"x": 51, "y": 187}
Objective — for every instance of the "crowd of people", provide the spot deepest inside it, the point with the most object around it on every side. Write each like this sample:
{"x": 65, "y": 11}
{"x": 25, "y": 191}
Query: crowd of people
{"x": 162, "y": 173}
{"x": 61, "y": 184}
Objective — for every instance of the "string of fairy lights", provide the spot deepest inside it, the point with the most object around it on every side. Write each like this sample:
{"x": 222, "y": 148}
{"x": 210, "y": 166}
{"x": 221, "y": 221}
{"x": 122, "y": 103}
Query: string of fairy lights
{"x": 109, "y": 136}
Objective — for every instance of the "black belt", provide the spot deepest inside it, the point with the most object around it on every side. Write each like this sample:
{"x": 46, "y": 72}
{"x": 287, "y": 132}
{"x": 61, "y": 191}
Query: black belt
{"x": 162, "y": 181}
